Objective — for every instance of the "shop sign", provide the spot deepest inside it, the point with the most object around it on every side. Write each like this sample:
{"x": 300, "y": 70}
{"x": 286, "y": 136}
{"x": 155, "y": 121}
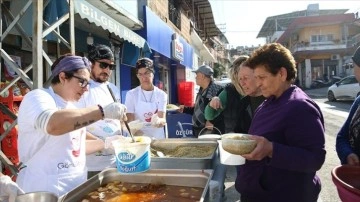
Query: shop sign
{"x": 177, "y": 50}
{"x": 94, "y": 15}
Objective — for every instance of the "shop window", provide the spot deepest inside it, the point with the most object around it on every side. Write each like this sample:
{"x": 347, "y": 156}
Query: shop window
{"x": 175, "y": 13}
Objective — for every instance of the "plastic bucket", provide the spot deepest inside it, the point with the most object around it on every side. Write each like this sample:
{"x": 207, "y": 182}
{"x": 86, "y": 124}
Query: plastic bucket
{"x": 347, "y": 181}
{"x": 210, "y": 136}
{"x": 132, "y": 157}
{"x": 228, "y": 158}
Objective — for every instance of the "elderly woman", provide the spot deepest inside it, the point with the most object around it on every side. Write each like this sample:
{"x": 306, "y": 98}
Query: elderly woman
{"x": 52, "y": 133}
{"x": 348, "y": 139}
{"x": 289, "y": 130}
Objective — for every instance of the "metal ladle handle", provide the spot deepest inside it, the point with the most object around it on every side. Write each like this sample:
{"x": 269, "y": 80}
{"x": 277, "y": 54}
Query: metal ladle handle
{"x": 126, "y": 124}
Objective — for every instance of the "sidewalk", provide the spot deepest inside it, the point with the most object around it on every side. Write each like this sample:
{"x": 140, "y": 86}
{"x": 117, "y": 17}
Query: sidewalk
{"x": 317, "y": 92}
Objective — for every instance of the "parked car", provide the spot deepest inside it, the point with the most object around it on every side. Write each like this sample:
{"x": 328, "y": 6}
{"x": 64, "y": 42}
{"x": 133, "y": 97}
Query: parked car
{"x": 319, "y": 84}
{"x": 335, "y": 79}
{"x": 347, "y": 88}
{"x": 223, "y": 82}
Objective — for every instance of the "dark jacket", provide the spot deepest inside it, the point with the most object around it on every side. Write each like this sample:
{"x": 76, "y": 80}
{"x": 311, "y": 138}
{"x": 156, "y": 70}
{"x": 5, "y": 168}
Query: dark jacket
{"x": 246, "y": 111}
{"x": 231, "y": 112}
{"x": 343, "y": 147}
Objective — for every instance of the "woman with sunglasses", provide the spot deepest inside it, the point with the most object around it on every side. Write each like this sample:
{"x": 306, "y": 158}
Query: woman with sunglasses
{"x": 147, "y": 102}
{"x": 51, "y": 137}
{"x": 101, "y": 91}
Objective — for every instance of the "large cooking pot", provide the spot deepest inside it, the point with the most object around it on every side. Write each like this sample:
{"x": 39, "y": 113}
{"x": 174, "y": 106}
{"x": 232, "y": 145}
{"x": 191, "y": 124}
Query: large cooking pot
{"x": 37, "y": 197}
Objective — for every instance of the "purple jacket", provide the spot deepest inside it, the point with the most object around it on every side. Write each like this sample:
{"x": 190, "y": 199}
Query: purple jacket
{"x": 295, "y": 125}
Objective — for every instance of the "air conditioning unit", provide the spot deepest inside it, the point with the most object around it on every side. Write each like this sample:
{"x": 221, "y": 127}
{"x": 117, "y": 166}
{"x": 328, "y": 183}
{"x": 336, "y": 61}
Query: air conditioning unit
{"x": 335, "y": 57}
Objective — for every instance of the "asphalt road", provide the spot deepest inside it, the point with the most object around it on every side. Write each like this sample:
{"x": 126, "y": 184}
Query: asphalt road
{"x": 335, "y": 114}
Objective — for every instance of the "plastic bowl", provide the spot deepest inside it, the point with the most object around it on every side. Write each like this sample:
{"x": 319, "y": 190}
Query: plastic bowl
{"x": 347, "y": 181}
{"x": 238, "y": 143}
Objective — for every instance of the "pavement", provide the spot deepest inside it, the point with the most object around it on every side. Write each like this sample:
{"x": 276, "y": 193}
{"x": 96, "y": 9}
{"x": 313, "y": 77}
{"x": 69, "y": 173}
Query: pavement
{"x": 317, "y": 92}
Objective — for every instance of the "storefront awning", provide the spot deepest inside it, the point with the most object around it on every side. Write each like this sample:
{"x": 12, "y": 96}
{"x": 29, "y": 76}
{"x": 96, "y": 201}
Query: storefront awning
{"x": 99, "y": 18}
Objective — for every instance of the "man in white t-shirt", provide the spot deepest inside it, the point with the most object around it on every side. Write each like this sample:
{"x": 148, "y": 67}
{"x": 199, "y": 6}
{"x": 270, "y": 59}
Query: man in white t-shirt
{"x": 102, "y": 59}
{"x": 147, "y": 103}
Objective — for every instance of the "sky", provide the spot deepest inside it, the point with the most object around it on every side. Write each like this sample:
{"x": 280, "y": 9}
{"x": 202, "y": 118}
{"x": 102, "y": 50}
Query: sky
{"x": 242, "y": 19}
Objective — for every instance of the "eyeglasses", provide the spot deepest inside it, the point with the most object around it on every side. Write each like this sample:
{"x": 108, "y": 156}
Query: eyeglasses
{"x": 146, "y": 74}
{"x": 104, "y": 65}
{"x": 144, "y": 63}
{"x": 82, "y": 82}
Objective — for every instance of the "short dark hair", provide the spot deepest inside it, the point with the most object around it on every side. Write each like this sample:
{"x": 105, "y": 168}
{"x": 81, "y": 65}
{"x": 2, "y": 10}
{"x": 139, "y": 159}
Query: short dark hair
{"x": 99, "y": 52}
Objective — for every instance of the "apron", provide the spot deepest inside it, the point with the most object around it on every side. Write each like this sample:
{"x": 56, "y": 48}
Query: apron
{"x": 144, "y": 112}
{"x": 58, "y": 166}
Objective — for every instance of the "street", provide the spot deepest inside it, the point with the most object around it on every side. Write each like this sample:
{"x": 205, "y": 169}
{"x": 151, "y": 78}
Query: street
{"x": 335, "y": 114}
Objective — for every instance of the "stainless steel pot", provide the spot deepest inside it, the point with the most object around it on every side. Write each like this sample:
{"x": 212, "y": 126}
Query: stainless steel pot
{"x": 37, "y": 197}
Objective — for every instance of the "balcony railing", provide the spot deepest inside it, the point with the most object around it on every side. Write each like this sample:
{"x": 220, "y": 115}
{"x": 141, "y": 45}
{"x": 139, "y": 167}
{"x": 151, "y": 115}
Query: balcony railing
{"x": 336, "y": 44}
{"x": 306, "y": 46}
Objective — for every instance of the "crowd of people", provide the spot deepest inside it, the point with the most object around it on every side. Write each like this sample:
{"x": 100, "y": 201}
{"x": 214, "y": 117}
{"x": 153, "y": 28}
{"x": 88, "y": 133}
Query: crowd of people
{"x": 65, "y": 130}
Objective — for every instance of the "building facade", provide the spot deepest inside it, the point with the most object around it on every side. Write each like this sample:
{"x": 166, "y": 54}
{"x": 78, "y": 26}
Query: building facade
{"x": 322, "y": 41}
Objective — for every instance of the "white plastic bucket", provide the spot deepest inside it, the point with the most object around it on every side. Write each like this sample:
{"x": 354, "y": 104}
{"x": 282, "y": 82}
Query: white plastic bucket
{"x": 132, "y": 157}
{"x": 229, "y": 159}
{"x": 210, "y": 136}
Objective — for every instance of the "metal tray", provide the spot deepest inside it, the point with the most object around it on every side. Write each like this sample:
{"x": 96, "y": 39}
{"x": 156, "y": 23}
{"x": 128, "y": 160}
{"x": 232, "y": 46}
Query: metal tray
{"x": 184, "y": 163}
{"x": 175, "y": 177}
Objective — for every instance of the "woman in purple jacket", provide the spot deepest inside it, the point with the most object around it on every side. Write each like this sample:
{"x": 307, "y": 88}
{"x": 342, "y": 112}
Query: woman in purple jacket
{"x": 289, "y": 130}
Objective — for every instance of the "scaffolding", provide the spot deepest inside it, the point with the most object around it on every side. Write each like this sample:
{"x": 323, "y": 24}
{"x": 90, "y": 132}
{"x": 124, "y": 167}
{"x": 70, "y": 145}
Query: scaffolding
{"x": 41, "y": 29}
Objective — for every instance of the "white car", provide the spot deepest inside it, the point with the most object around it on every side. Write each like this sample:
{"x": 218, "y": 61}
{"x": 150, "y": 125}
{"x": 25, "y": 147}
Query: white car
{"x": 223, "y": 82}
{"x": 347, "y": 88}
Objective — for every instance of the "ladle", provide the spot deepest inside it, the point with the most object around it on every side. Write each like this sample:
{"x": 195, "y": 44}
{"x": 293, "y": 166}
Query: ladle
{"x": 128, "y": 128}
{"x": 126, "y": 124}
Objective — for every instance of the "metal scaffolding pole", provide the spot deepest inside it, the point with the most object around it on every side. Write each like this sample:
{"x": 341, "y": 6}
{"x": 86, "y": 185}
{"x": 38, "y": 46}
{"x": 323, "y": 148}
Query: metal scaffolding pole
{"x": 40, "y": 30}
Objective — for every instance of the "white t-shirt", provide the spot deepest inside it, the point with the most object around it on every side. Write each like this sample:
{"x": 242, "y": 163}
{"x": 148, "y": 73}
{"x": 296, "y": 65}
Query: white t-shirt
{"x": 144, "y": 104}
{"x": 132, "y": 96}
{"x": 99, "y": 94}
{"x": 58, "y": 159}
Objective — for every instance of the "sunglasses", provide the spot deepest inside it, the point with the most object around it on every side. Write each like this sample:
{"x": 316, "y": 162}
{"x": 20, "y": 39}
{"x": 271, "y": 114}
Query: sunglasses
{"x": 82, "y": 82}
{"x": 104, "y": 65}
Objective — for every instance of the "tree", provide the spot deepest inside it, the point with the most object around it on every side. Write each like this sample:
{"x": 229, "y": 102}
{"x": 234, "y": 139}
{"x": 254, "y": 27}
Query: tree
{"x": 218, "y": 70}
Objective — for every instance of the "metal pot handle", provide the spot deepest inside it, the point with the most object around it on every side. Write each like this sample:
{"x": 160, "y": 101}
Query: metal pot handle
{"x": 210, "y": 128}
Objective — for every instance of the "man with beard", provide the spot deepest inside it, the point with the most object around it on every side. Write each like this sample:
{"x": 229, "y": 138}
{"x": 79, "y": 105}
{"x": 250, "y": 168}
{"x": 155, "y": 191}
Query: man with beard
{"x": 102, "y": 59}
